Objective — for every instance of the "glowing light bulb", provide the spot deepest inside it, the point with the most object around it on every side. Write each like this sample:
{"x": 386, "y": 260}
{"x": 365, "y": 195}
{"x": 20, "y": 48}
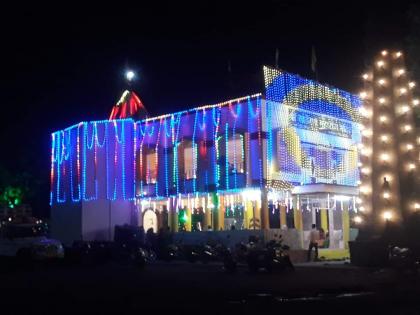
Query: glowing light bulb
{"x": 367, "y": 132}
{"x": 365, "y": 76}
{"x": 401, "y": 71}
{"x": 387, "y": 178}
{"x": 362, "y": 208}
{"x": 365, "y": 170}
{"x": 363, "y": 111}
{"x": 403, "y": 91}
{"x": 387, "y": 215}
{"x": 416, "y": 205}
{"x": 360, "y": 164}
{"x": 358, "y": 219}
{"x": 386, "y": 195}
{"x": 384, "y": 156}
{"x": 366, "y": 151}
{"x": 384, "y": 138}
{"x": 407, "y": 127}
{"x": 363, "y": 95}
{"x": 130, "y": 75}
{"x": 383, "y": 118}
{"x": 416, "y": 102}
{"x": 380, "y": 63}
{"x": 381, "y": 82}
{"x": 409, "y": 146}
{"x": 398, "y": 54}
{"x": 381, "y": 100}
{"x": 364, "y": 189}
{"x": 405, "y": 109}
{"x": 359, "y": 182}
{"x": 412, "y": 84}
{"x": 411, "y": 166}
{"x": 384, "y": 52}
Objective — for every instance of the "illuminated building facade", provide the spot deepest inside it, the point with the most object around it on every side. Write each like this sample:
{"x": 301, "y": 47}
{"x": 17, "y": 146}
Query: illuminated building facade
{"x": 389, "y": 151}
{"x": 285, "y": 159}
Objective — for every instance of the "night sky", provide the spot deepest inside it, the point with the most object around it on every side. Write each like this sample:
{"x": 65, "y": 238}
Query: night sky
{"x": 64, "y": 65}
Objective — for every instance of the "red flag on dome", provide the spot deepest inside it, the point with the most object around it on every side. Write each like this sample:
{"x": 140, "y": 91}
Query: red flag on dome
{"x": 129, "y": 106}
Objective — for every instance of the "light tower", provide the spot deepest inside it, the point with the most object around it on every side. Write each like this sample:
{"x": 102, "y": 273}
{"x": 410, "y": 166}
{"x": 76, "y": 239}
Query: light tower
{"x": 389, "y": 159}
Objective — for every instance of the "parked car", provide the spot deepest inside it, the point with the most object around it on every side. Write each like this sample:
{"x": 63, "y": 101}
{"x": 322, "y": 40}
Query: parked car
{"x": 28, "y": 242}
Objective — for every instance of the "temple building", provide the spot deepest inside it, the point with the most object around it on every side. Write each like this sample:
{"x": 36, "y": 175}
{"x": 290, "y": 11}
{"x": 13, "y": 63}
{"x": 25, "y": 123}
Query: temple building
{"x": 283, "y": 159}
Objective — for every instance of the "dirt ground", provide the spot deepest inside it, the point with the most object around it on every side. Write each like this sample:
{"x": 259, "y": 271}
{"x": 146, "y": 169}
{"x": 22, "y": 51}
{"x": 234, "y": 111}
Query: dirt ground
{"x": 181, "y": 287}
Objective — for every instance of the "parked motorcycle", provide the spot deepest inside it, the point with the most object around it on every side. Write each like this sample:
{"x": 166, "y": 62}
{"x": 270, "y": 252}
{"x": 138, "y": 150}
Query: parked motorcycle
{"x": 272, "y": 257}
{"x": 169, "y": 253}
{"x": 403, "y": 260}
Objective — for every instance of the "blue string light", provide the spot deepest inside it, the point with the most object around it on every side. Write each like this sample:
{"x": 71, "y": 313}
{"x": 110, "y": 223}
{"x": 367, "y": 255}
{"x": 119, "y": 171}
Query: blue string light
{"x": 53, "y": 160}
{"x": 227, "y": 154}
{"x": 166, "y": 159}
{"x": 92, "y": 138}
{"x": 157, "y": 162}
{"x": 194, "y": 154}
{"x": 75, "y": 199}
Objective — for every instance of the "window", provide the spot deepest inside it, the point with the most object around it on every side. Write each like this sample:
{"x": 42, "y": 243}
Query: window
{"x": 190, "y": 162}
{"x": 151, "y": 168}
{"x": 236, "y": 155}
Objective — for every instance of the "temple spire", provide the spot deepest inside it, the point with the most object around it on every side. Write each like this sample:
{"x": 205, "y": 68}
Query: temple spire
{"x": 128, "y": 106}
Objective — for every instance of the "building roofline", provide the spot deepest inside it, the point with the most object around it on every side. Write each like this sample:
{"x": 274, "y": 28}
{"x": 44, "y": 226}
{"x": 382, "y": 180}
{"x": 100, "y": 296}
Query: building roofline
{"x": 202, "y": 107}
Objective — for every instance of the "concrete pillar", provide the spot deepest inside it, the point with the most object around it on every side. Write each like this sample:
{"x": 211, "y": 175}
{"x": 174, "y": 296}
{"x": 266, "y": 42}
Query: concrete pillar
{"x": 215, "y": 211}
{"x": 324, "y": 219}
{"x": 207, "y": 215}
{"x": 265, "y": 223}
{"x": 221, "y": 214}
{"x": 298, "y": 217}
{"x": 346, "y": 223}
{"x": 331, "y": 224}
{"x": 248, "y": 214}
{"x": 283, "y": 220}
{"x": 173, "y": 216}
{"x": 189, "y": 218}
{"x": 297, "y": 214}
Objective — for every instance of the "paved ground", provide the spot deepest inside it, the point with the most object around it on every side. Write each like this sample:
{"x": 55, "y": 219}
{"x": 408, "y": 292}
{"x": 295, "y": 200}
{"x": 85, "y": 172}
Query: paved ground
{"x": 197, "y": 288}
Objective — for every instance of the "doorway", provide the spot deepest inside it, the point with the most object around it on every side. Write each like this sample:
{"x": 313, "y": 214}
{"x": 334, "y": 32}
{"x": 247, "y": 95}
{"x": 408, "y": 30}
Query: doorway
{"x": 150, "y": 220}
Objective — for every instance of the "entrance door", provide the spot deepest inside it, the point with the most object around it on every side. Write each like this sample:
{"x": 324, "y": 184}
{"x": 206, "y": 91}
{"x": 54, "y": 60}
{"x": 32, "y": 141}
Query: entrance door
{"x": 150, "y": 220}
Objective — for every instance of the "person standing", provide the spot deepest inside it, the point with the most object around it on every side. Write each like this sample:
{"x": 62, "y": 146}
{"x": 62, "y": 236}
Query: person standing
{"x": 313, "y": 242}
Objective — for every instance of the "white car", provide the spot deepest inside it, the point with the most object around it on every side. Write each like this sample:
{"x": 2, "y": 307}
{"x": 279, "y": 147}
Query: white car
{"x": 28, "y": 241}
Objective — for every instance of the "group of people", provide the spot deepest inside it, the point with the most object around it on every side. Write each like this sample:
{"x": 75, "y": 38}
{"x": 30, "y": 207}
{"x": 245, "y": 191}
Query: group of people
{"x": 317, "y": 239}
